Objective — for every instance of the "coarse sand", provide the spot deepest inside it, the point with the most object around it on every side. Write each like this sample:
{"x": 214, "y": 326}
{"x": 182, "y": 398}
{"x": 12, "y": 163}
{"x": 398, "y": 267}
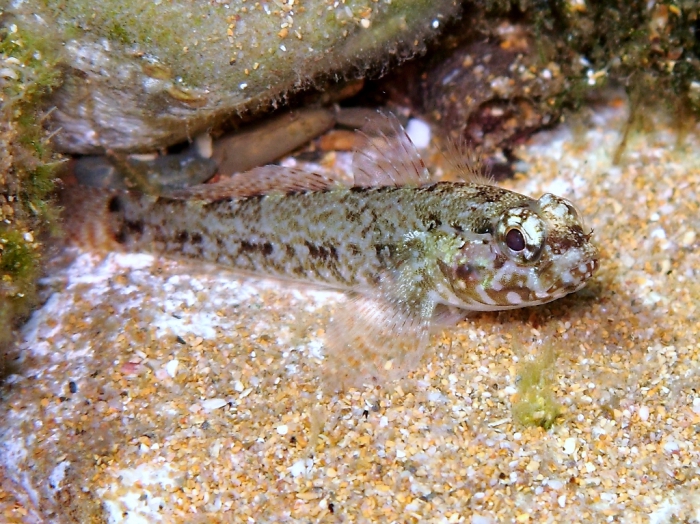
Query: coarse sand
{"x": 148, "y": 390}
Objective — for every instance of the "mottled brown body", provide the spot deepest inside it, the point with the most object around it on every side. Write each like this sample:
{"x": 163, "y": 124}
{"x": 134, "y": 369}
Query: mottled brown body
{"x": 341, "y": 237}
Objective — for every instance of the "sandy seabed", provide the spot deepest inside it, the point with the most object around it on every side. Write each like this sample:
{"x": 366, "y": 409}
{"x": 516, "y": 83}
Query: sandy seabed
{"x": 150, "y": 391}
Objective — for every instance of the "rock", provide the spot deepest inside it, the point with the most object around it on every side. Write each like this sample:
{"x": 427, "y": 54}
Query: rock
{"x": 145, "y": 75}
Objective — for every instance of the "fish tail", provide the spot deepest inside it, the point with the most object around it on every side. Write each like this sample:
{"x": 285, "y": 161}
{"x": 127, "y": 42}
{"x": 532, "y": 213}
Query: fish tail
{"x": 87, "y": 219}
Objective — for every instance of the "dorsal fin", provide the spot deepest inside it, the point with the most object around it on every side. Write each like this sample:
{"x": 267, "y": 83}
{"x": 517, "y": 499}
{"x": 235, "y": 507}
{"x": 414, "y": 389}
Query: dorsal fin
{"x": 385, "y": 156}
{"x": 259, "y": 181}
{"x": 467, "y": 163}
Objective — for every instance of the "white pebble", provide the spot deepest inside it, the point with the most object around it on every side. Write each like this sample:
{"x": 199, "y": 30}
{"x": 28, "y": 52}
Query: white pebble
{"x": 58, "y": 474}
{"x": 561, "y": 501}
{"x": 171, "y": 367}
{"x": 213, "y": 403}
{"x": 414, "y": 506}
{"x": 696, "y": 405}
{"x": 644, "y": 413}
{"x": 570, "y": 445}
{"x": 419, "y": 133}
{"x": 555, "y": 484}
{"x": 671, "y": 446}
{"x": 688, "y": 238}
{"x": 283, "y": 429}
{"x": 300, "y": 467}
{"x": 204, "y": 145}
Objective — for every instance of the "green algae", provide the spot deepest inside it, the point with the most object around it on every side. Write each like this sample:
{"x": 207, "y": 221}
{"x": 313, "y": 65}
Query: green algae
{"x": 16, "y": 259}
{"x": 536, "y": 403}
{"x": 652, "y": 48}
{"x": 27, "y": 169}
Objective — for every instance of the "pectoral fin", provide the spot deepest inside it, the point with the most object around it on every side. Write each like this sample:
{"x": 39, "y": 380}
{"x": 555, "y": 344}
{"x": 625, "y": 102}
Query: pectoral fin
{"x": 373, "y": 341}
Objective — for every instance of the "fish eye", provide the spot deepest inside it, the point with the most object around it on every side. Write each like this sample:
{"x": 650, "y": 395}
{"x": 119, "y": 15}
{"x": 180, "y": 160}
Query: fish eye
{"x": 521, "y": 234}
{"x": 515, "y": 240}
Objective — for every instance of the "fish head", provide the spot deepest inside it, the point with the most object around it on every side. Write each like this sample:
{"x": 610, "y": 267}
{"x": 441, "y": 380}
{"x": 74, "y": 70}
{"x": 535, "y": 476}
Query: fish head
{"x": 535, "y": 251}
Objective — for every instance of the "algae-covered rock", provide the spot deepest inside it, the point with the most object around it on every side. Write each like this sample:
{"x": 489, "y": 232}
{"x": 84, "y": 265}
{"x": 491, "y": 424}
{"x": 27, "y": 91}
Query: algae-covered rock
{"x": 27, "y": 72}
{"x": 142, "y": 74}
{"x": 508, "y": 68}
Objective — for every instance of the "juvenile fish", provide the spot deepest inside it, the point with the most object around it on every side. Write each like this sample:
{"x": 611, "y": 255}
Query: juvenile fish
{"x": 402, "y": 247}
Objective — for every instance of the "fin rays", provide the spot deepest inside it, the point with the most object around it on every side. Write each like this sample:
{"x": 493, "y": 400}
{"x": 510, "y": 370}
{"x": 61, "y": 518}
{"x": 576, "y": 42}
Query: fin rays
{"x": 467, "y": 163}
{"x": 385, "y": 155}
{"x": 259, "y": 181}
{"x": 373, "y": 342}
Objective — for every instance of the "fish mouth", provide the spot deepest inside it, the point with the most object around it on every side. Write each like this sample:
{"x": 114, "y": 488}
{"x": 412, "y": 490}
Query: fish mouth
{"x": 586, "y": 270}
{"x": 578, "y": 277}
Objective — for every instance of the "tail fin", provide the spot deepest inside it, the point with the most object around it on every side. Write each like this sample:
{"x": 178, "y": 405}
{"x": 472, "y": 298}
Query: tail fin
{"x": 86, "y": 217}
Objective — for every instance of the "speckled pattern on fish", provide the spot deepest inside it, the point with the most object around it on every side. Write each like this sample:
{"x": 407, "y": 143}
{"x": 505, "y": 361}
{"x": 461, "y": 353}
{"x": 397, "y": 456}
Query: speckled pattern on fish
{"x": 401, "y": 246}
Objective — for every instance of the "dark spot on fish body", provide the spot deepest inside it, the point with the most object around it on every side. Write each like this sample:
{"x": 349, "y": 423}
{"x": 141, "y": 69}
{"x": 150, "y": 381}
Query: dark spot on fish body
{"x": 499, "y": 261}
{"x": 371, "y": 277}
{"x": 128, "y": 230}
{"x": 432, "y": 188}
{"x": 489, "y": 197}
{"x": 483, "y": 227}
{"x": 313, "y": 250}
{"x": 371, "y": 224}
{"x": 385, "y": 253}
{"x": 265, "y": 248}
{"x": 322, "y": 252}
{"x": 352, "y": 215}
{"x": 561, "y": 244}
{"x": 115, "y": 205}
{"x": 332, "y": 268}
{"x": 135, "y": 226}
{"x": 182, "y": 237}
{"x": 326, "y": 216}
{"x": 467, "y": 273}
{"x": 120, "y": 237}
{"x": 432, "y": 221}
{"x": 197, "y": 238}
{"x": 247, "y": 247}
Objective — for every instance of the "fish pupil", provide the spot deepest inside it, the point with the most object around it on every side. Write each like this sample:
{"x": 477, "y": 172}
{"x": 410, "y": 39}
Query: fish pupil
{"x": 515, "y": 240}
